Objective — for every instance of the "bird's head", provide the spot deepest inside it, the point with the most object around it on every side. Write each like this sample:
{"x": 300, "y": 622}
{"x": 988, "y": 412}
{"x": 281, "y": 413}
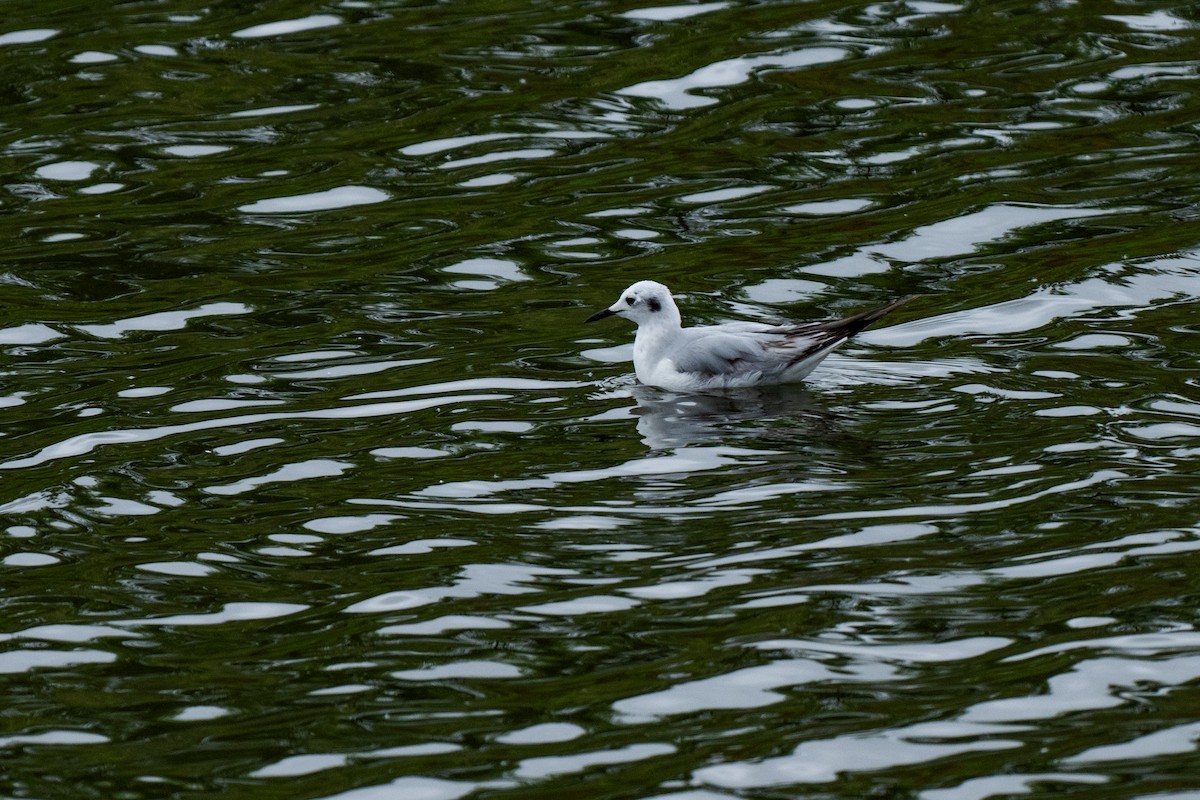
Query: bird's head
{"x": 645, "y": 303}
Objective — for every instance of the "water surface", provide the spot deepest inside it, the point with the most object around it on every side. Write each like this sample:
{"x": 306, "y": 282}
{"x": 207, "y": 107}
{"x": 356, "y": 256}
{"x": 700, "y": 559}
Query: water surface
{"x": 313, "y": 485}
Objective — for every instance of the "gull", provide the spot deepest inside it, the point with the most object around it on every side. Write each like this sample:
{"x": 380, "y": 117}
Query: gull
{"x": 732, "y": 355}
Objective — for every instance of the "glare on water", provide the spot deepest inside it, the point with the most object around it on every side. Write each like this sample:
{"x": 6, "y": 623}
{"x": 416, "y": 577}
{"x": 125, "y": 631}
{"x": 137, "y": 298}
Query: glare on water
{"x": 313, "y": 484}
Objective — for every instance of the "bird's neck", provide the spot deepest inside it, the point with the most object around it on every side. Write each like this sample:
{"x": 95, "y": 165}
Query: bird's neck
{"x": 653, "y": 336}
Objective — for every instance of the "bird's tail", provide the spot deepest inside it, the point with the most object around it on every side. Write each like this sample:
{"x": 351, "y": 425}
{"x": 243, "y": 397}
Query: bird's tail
{"x": 848, "y": 326}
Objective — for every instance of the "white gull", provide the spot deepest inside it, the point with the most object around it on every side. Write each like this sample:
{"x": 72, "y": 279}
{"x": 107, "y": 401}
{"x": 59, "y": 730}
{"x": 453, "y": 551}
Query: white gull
{"x": 727, "y": 356}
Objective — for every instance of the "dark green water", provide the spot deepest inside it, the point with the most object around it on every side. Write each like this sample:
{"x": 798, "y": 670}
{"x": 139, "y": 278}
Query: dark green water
{"x": 312, "y": 484}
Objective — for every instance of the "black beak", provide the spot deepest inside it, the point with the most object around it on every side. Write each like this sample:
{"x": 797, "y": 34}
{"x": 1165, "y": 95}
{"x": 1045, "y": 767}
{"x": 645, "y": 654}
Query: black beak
{"x": 600, "y": 315}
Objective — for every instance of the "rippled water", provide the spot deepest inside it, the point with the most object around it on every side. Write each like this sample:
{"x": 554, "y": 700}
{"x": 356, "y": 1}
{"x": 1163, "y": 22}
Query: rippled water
{"x": 313, "y": 484}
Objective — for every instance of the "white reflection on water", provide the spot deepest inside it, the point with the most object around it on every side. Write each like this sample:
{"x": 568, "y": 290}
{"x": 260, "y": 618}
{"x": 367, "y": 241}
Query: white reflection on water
{"x": 477, "y": 580}
{"x": 824, "y": 760}
{"x": 541, "y": 767}
{"x": 1104, "y": 682}
{"x": 287, "y": 26}
{"x": 668, "y": 420}
{"x": 469, "y": 384}
{"x": 29, "y": 560}
{"x": 67, "y": 170}
{"x": 681, "y": 461}
{"x": 1008, "y": 785}
{"x": 957, "y": 236}
{"x": 677, "y": 93}
{"x": 195, "y": 150}
{"x": 347, "y": 370}
{"x": 1135, "y": 286}
{"x": 1178, "y": 739}
{"x": 1162, "y": 642}
{"x": 1154, "y": 21}
{"x": 494, "y": 179}
{"x": 28, "y": 36}
{"x": 453, "y": 143}
{"x": 219, "y": 404}
{"x": 412, "y": 750}
{"x": 543, "y": 733}
{"x": 230, "y": 612}
{"x": 144, "y": 391}
{"x": 905, "y": 653}
{"x": 955, "y": 510}
{"x": 1098, "y": 683}
{"x": 696, "y": 587}
{"x": 339, "y": 197}
{"x": 341, "y": 689}
{"x": 419, "y": 547}
{"x": 101, "y": 188}
{"x": 93, "y": 57}
{"x": 869, "y": 536}
{"x": 246, "y": 446}
{"x": 1040, "y": 567}
{"x": 303, "y": 470}
{"x": 500, "y": 155}
{"x": 87, "y": 442}
{"x": 350, "y": 524}
{"x": 499, "y": 270}
{"x": 70, "y": 633}
{"x": 754, "y": 687}
{"x": 17, "y": 661}
{"x": 30, "y": 333}
{"x": 410, "y": 788}
{"x": 672, "y": 13}
{"x": 301, "y": 765}
{"x": 722, "y": 195}
{"x": 163, "y": 320}
{"x": 446, "y": 624}
{"x": 55, "y": 737}
{"x": 846, "y": 205}
{"x": 273, "y": 110}
{"x": 164, "y": 50}
{"x": 458, "y": 142}
{"x": 592, "y": 604}
{"x": 187, "y": 569}
{"x": 200, "y": 713}
{"x": 458, "y": 670}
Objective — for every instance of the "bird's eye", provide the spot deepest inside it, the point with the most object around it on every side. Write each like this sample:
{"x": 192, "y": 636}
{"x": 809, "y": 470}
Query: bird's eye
{"x": 630, "y": 299}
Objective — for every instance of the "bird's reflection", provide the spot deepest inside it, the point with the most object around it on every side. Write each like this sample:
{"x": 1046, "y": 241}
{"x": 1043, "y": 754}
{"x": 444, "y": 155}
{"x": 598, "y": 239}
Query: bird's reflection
{"x": 668, "y": 420}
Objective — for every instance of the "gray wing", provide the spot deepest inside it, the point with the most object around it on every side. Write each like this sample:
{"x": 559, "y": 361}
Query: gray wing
{"x": 738, "y": 349}
{"x": 709, "y": 352}
{"x": 731, "y": 352}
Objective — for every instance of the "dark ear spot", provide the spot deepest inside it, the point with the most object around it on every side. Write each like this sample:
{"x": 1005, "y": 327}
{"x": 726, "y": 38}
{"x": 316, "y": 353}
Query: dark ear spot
{"x": 654, "y": 304}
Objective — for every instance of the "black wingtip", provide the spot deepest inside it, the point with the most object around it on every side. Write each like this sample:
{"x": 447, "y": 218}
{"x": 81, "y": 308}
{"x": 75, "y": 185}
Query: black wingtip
{"x": 883, "y": 311}
{"x": 848, "y": 326}
{"x": 600, "y": 315}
